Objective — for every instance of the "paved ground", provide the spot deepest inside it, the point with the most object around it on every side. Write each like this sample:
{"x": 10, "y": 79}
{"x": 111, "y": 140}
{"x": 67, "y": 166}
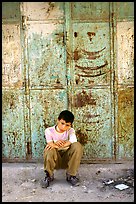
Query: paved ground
{"x": 21, "y": 183}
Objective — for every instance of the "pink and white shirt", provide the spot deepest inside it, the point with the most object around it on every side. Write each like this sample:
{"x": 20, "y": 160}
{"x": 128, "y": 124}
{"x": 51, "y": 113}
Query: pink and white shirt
{"x": 52, "y": 135}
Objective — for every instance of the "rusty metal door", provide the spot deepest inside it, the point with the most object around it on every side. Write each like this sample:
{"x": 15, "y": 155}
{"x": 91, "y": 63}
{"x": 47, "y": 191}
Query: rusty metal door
{"x": 44, "y": 32}
{"x": 102, "y": 69}
{"x": 77, "y": 56}
{"x": 93, "y": 91}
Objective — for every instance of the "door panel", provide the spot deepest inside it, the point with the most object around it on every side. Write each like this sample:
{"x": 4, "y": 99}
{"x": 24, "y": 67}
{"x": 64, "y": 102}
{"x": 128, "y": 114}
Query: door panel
{"x": 91, "y": 54}
{"x": 125, "y": 74}
{"x": 93, "y": 115}
{"x": 13, "y": 140}
{"x": 47, "y": 75}
{"x": 45, "y": 106}
{"x": 46, "y": 53}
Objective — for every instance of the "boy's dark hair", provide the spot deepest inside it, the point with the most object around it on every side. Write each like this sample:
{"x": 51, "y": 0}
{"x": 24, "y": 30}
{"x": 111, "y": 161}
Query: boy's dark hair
{"x": 67, "y": 116}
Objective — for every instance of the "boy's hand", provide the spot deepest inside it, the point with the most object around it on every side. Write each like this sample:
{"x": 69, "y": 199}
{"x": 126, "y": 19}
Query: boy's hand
{"x": 57, "y": 145}
{"x": 60, "y": 143}
{"x": 51, "y": 145}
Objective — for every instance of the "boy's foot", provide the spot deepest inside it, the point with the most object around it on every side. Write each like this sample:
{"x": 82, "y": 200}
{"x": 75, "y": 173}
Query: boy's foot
{"x": 46, "y": 182}
{"x": 72, "y": 180}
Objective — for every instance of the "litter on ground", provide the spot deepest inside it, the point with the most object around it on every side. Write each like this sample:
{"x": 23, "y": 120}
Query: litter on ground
{"x": 121, "y": 186}
{"x": 108, "y": 182}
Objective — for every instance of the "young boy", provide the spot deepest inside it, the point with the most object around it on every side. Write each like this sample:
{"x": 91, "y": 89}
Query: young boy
{"x": 62, "y": 151}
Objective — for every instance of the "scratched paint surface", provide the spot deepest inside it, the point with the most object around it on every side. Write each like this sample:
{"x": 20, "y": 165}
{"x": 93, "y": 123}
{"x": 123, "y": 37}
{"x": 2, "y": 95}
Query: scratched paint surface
{"x": 93, "y": 118}
{"x": 125, "y": 10}
{"x": 43, "y": 10}
{"x": 92, "y": 102}
{"x": 125, "y": 63}
{"x": 11, "y": 10}
{"x": 43, "y": 114}
{"x": 90, "y": 11}
{"x": 11, "y": 56}
{"x": 62, "y": 55}
{"x": 91, "y": 59}
{"x": 126, "y": 122}
{"x": 47, "y": 55}
{"x": 47, "y": 69}
{"x": 13, "y": 140}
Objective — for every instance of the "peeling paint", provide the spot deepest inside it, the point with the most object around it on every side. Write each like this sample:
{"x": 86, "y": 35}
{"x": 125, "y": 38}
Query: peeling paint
{"x": 126, "y": 120}
{"x": 83, "y": 99}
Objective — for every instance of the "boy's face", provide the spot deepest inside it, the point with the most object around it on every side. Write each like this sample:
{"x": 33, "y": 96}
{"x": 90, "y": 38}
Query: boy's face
{"x": 63, "y": 126}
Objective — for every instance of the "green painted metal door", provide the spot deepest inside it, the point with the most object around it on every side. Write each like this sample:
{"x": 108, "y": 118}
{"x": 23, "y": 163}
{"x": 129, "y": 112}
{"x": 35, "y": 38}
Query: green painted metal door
{"x": 77, "y": 56}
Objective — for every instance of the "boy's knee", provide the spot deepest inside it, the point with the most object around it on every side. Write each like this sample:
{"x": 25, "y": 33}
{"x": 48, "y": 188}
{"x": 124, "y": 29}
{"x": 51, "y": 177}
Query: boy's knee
{"x": 50, "y": 153}
{"x": 77, "y": 146}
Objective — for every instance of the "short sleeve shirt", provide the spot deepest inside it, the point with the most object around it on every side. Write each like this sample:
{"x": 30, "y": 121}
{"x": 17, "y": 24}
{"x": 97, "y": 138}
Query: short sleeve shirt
{"x": 52, "y": 135}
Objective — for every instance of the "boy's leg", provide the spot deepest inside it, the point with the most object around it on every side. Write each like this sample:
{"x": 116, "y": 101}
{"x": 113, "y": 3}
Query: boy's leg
{"x": 52, "y": 160}
{"x": 71, "y": 159}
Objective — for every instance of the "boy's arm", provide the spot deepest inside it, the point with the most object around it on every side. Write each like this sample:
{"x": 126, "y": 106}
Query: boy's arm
{"x": 62, "y": 143}
{"x": 58, "y": 144}
{"x": 51, "y": 145}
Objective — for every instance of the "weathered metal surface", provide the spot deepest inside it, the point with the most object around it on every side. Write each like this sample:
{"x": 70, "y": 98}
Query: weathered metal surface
{"x": 91, "y": 59}
{"x": 11, "y": 56}
{"x": 45, "y": 108}
{"x": 46, "y": 50}
{"x": 93, "y": 11}
{"x": 126, "y": 122}
{"x": 47, "y": 71}
{"x": 125, "y": 52}
{"x": 13, "y": 140}
{"x": 13, "y": 137}
{"x": 43, "y": 10}
{"x": 93, "y": 118}
{"x": 92, "y": 104}
{"x": 11, "y": 11}
{"x": 125, "y": 76}
{"x": 125, "y": 11}
{"x": 63, "y": 55}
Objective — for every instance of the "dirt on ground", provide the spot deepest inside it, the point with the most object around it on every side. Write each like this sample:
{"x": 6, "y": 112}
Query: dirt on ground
{"x": 98, "y": 183}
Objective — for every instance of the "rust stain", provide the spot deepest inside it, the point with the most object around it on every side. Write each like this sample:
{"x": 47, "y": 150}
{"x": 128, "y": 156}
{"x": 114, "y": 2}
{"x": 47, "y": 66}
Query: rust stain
{"x": 91, "y": 35}
{"x": 18, "y": 84}
{"x": 51, "y": 7}
{"x": 125, "y": 98}
{"x": 93, "y": 57}
{"x": 12, "y": 102}
{"x": 77, "y": 80}
{"x": 29, "y": 151}
{"x": 59, "y": 38}
{"x": 77, "y": 55}
{"x": 126, "y": 115}
{"x": 83, "y": 99}
{"x": 82, "y": 137}
{"x": 45, "y": 124}
{"x": 92, "y": 116}
{"x": 86, "y": 69}
{"x": 92, "y": 53}
{"x": 94, "y": 75}
{"x": 75, "y": 34}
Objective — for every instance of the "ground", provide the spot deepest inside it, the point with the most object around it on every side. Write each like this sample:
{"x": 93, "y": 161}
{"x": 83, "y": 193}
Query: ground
{"x": 21, "y": 183}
